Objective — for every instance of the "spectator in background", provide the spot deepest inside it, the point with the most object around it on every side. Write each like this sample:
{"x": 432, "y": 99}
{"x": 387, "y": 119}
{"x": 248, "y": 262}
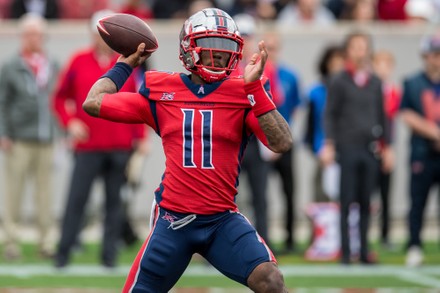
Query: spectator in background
{"x": 254, "y": 165}
{"x": 134, "y": 170}
{"x": 354, "y": 121}
{"x": 170, "y": 9}
{"x": 244, "y": 7}
{"x": 420, "y": 110}
{"x": 267, "y": 10}
{"x": 422, "y": 11}
{"x": 259, "y": 9}
{"x": 81, "y": 9}
{"x": 289, "y": 99}
{"x": 137, "y": 8}
{"x": 5, "y": 9}
{"x": 45, "y": 8}
{"x": 383, "y": 65}
{"x": 337, "y": 7}
{"x": 391, "y": 10}
{"x": 101, "y": 148}
{"x": 305, "y": 12}
{"x": 197, "y": 5}
{"x": 133, "y": 175}
{"x": 27, "y": 133}
{"x": 361, "y": 11}
{"x": 331, "y": 61}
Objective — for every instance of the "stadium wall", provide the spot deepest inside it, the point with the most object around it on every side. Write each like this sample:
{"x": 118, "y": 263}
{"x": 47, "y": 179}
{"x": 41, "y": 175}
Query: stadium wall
{"x": 301, "y": 48}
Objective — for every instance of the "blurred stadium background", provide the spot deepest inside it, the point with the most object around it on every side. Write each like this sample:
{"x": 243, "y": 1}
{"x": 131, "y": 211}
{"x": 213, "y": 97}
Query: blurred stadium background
{"x": 301, "y": 47}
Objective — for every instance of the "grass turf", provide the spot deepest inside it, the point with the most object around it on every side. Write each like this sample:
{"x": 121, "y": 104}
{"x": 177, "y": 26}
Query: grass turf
{"x": 89, "y": 254}
{"x": 91, "y": 251}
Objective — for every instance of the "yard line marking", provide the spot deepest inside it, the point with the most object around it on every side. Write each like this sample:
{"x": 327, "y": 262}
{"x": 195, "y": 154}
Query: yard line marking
{"x": 421, "y": 279}
{"x": 422, "y": 275}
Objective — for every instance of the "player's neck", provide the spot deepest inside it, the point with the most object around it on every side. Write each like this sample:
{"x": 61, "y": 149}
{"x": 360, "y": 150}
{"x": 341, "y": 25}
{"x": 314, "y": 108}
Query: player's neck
{"x": 197, "y": 79}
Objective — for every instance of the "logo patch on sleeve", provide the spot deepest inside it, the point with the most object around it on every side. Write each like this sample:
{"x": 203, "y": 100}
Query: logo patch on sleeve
{"x": 167, "y": 97}
{"x": 251, "y": 99}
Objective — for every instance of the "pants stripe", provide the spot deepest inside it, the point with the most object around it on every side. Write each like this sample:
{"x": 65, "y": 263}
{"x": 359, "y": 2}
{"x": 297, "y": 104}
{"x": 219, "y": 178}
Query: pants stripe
{"x": 135, "y": 269}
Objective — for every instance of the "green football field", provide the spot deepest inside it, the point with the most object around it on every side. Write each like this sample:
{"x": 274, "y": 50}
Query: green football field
{"x": 32, "y": 275}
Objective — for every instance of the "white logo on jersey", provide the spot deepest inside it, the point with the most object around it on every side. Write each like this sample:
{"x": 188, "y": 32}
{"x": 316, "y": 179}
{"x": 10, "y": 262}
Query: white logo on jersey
{"x": 167, "y": 97}
{"x": 201, "y": 90}
{"x": 251, "y": 99}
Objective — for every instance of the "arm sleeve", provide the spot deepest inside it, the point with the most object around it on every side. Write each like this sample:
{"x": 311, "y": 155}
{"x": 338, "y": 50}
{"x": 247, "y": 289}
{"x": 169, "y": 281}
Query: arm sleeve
{"x": 295, "y": 93}
{"x": 127, "y": 107}
{"x": 4, "y": 93}
{"x": 386, "y": 136}
{"x": 331, "y": 111}
{"x": 406, "y": 103}
{"x": 63, "y": 92}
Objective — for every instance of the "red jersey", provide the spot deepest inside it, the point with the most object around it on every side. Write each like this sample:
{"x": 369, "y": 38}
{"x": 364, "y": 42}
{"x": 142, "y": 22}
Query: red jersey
{"x": 74, "y": 84}
{"x": 204, "y": 131}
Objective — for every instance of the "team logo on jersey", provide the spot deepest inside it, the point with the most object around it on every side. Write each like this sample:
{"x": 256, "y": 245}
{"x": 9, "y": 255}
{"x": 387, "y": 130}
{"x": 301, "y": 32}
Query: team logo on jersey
{"x": 201, "y": 90}
{"x": 167, "y": 97}
{"x": 169, "y": 218}
{"x": 251, "y": 99}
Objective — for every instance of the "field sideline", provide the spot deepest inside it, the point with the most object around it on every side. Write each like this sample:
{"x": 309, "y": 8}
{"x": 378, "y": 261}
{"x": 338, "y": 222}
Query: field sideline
{"x": 31, "y": 274}
{"x": 388, "y": 276}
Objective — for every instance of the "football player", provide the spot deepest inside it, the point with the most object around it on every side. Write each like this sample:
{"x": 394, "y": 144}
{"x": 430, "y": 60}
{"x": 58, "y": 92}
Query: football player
{"x": 205, "y": 120}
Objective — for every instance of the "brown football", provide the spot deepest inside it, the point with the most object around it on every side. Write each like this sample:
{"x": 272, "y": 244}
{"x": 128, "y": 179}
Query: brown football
{"x": 124, "y": 32}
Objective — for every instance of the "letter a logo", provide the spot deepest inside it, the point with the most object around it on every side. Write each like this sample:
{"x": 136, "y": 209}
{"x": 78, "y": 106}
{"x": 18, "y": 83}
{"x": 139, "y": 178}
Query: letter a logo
{"x": 251, "y": 99}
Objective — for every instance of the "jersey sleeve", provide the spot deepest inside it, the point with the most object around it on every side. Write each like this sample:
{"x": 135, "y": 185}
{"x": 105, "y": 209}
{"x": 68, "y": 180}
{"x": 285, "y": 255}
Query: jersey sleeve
{"x": 253, "y": 126}
{"x": 64, "y": 91}
{"x": 407, "y": 103}
{"x": 127, "y": 107}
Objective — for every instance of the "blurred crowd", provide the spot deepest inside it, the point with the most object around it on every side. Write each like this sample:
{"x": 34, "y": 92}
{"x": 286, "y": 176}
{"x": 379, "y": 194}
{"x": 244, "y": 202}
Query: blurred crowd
{"x": 284, "y": 11}
{"x": 351, "y": 111}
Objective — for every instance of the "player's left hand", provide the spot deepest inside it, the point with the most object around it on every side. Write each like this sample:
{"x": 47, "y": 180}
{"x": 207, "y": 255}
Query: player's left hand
{"x": 254, "y": 69}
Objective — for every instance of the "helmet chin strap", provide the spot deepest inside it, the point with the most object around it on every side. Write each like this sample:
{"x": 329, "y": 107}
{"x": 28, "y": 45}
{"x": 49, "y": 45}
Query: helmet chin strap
{"x": 212, "y": 76}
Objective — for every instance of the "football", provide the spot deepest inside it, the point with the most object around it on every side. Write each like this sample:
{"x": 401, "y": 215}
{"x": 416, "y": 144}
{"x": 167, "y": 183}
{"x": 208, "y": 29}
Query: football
{"x": 124, "y": 32}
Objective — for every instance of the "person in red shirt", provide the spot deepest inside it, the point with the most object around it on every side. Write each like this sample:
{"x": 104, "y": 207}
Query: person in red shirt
{"x": 101, "y": 148}
{"x": 205, "y": 120}
{"x": 137, "y": 8}
{"x": 391, "y": 10}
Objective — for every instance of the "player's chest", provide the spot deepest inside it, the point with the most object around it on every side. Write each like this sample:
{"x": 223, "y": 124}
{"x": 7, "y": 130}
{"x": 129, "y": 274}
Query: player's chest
{"x": 201, "y": 121}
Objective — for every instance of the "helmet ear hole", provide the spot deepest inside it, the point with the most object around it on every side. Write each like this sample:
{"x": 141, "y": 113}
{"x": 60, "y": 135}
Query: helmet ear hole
{"x": 188, "y": 60}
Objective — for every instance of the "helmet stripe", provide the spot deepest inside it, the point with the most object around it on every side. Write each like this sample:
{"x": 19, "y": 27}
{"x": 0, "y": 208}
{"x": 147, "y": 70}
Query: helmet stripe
{"x": 220, "y": 18}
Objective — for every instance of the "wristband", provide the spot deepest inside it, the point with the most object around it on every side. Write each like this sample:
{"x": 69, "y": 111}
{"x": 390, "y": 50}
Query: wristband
{"x": 119, "y": 74}
{"x": 258, "y": 98}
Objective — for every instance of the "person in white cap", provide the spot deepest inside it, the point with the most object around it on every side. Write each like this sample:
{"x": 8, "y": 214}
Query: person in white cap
{"x": 422, "y": 11}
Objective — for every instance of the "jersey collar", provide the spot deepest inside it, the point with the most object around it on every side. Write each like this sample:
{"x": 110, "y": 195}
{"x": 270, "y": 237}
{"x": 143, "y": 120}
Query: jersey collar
{"x": 200, "y": 91}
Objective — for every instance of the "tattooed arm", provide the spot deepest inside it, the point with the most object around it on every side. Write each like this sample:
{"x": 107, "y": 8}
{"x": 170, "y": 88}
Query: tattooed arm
{"x": 277, "y": 131}
{"x": 274, "y": 126}
{"x": 105, "y": 85}
{"x": 92, "y": 104}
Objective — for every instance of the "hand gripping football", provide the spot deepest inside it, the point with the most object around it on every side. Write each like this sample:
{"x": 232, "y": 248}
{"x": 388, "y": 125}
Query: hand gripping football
{"x": 124, "y": 32}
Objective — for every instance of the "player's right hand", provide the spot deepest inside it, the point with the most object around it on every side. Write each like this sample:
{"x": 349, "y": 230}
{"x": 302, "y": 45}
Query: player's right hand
{"x": 5, "y": 143}
{"x": 137, "y": 58}
{"x": 327, "y": 154}
{"x": 78, "y": 130}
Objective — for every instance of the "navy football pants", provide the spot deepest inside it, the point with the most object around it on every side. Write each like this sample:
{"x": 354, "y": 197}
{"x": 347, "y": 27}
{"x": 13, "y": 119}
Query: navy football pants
{"x": 227, "y": 240}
